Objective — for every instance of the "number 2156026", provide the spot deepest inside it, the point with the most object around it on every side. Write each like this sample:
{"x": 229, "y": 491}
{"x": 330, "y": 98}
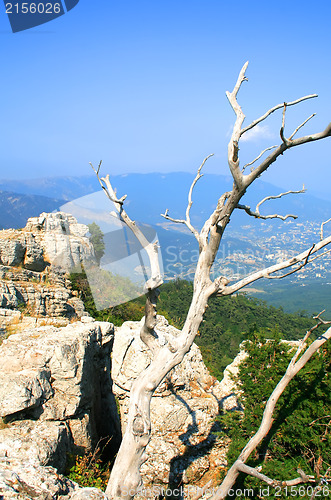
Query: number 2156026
{"x": 33, "y": 8}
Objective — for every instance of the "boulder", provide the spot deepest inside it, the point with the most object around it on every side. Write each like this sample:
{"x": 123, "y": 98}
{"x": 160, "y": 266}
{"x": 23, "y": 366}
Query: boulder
{"x": 55, "y": 392}
{"x": 12, "y": 251}
{"x": 64, "y": 241}
{"x": 26, "y": 481}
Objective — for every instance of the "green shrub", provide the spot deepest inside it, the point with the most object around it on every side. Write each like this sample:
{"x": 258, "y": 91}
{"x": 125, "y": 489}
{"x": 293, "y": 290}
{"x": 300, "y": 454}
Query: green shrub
{"x": 300, "y": 434}
{"x": 89, "y": 471}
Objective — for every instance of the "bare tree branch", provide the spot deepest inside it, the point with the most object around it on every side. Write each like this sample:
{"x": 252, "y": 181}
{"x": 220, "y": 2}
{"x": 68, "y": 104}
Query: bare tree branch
{"x": 258, "y": 157}
{"x": 214, "y": 219}
{"x": 147, "y": 331}
{"x": 307, "y": 261}
{"x": 265, "y": 273}
{"x": 303, "y": 341}
{"x": 251, "y": 471}
{"x": 187, "y": 220}
{"x": 233, "y": 148}
{"x": 284, "y": 139}
{"x": 281, "y": 149}
{"x": 151, "y": 248}
{"x": 256, "y": 212}
{"x": 282, "y": 136}
{"x": 322, "y": 227}
{"x": 302, "y": 125}
{"x": 293, "y": 368}
{"x": 197, "y": 177}
{"x": 268, "y": 113}
{"x": 243, "y": 181}
{"x": 275, "y": 197}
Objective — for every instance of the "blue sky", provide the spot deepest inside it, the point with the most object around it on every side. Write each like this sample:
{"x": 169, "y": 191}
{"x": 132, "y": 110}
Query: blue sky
{"x": 141, "y": 85}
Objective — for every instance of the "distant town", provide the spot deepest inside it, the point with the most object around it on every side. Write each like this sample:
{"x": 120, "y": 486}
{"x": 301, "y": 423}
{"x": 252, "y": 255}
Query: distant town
{"x": 249, "y": 250}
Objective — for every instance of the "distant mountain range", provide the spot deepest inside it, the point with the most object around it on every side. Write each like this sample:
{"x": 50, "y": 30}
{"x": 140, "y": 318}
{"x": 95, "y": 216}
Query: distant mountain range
{"x": 16, "y": 208}
{"x": 149, "y": 195}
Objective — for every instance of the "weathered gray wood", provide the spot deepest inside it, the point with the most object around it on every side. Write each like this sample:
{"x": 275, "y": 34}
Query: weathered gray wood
{"x": 125, "y": 478}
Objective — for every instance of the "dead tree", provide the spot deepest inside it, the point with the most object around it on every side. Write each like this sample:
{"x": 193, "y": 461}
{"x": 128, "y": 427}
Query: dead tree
{"x": 125, "y": 477}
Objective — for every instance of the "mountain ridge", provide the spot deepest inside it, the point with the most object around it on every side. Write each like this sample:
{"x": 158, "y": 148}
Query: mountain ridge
{"x": 161, "y": 191}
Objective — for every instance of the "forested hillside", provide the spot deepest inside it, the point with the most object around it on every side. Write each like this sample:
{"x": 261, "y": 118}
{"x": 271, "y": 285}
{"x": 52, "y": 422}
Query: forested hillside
{"x": 300, "y": 434}
{"x": 228, "y": 320}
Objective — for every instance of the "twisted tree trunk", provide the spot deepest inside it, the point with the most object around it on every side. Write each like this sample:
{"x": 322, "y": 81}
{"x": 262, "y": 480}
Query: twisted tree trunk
{"x": 125, "y": 478}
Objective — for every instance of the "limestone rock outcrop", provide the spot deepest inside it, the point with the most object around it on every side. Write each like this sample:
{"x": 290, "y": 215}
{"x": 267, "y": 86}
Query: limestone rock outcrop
{"x": 34, "y": 262}
{"x": 184, "y": 448}
{"x": 55, "y": 398}
{"x": 56, "y": 390}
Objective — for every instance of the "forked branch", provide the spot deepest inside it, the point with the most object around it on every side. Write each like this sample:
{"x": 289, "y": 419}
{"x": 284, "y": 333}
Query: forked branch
{"x": 271, "y": 110}
{"x": 147, "y": 331}
{"x": 243, "y": 181}
{"x": 265, "y": 164}
{"x": 282, "y": 135}
{"x": 256, "y": 213}
{"x": 151, "y": 248}
{"x": 187, "y": 220}
{"x": 233, "y": 147}
{"x": 257, "y": 158}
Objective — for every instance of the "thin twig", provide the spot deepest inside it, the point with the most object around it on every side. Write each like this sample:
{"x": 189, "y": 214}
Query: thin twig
{"x": 293, "y": 270}
{"x": 300, "y": 267}
{"x": 256, "y": 213}
{"x": 302, "y": 124}
{"x": 268, "y": 113}
{"x": 258, "y": 157}
{"x": 187, "y": 220}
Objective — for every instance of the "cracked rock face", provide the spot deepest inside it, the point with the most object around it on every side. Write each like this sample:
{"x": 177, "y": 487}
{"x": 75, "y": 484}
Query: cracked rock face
{"x": 20, "y": 481}
{"x": 34, "y": 260}
{"x": 184, "y": 448}
{"x": 55, "y": 398}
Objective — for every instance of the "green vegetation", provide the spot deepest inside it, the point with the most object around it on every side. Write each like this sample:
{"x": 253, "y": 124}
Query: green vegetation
{"x": 307, "y": 296}
{"x": 226, "y": 323}
{"x": 97, "y": 241}
{"x": 114, "y": 288}
{"x": 300, "y": 435}
{"x": 89, "y": 470}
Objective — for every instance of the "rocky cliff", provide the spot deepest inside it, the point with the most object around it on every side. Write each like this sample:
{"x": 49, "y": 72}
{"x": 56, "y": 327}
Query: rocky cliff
{"x": 57, "y": 384}
{"x": 55, "y": 399}
{"x": 33, "y": 263}
{"x": 55, "y": 387}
